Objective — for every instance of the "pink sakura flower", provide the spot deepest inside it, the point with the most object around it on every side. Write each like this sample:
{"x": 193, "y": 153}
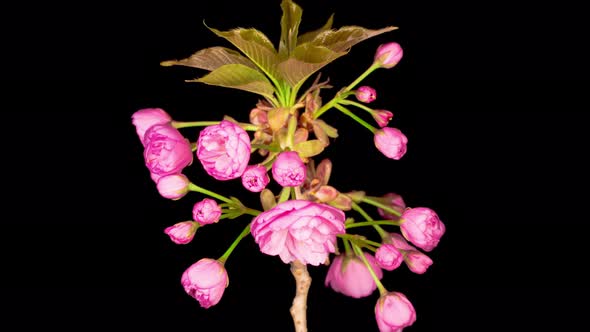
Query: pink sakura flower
{"x": 396, "y": 202}
{"x": 206, "y": 281}
{"x": 166, "y": 151}
{"x": 349, "y": 275}
{"x": 416, "y": 261}
{"x": 182, "y": 232}
{"x": 173, "y": 186}
{"x": 255, "y": 178}
{"x": 366, "y": 94}
{"x": 391, "y": 142}
{"x": 394, "y": 312}
{"x": 147, "y": 117}
{"x": 382, "y": 117}
{"x": 422, "y": 227}
{"x": 224, "y": 150}
{"x": 388, "y": 55}
{"x": 298, "y": 230}
{"x": 388, "y": 257}
{"x": 288, "y": 169}
{"x": 206, "y": 212}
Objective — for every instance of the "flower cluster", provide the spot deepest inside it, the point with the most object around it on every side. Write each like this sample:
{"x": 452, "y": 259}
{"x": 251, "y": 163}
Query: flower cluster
{"x": 303, "y": 221}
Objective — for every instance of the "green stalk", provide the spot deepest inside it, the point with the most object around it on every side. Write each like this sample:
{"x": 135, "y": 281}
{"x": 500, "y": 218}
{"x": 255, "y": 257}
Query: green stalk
{"x": 355, "y": 239}
{"x": 362, "y": 77}
{"x": 194, "y": 187}
{"x": 347, "y": 249}
{"x": 372, "y": 223}
{"x": 284, "y": 194}
{"x": 359, "y": 105}
{"x": 360, "y": 253}
{"x": 180, "y": 124}
{"x": 340, "y": 95}
{"x": 356, "y": 118}
{"x": 387, "y": 208}
{"x": 363, "y": 213}
{"x": 233, "y": 246}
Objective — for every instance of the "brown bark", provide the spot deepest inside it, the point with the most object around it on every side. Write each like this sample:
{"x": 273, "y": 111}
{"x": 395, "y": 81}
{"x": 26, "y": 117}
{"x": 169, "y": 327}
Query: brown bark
{"x": 299, "y": 307}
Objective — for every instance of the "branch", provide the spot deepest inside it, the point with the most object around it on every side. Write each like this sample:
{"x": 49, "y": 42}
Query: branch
{"x": 299, "y": 307}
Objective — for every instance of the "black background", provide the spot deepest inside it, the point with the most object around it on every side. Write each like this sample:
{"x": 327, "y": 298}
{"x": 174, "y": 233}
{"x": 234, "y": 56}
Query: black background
{"x": 491, "y": 96}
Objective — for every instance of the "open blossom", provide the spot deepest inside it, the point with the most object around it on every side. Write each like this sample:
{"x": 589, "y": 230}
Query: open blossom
{"x": 288, "y": 169}
{"x": 147, "y": 117}
{"x": 173, "y": 186}
{"x": 224, "y": 150}
{"x": 206, "y": 211}
{"x": 396, "y": 202}
{"x": 255, "y": 178}
{"x": 394, "y": 312}
{"x": 366, "y": 94}
{"x": 166, "y": 151}
{"x": 388, "y": 257}
{"x": 298, "y": 230}
{"x": 422, "y": 227}
{"x": 382, "y": 117}
{"x": 350, "y": 276}
{"x": 182, "y": 232}
{"x": 388, "y": 55}
{"x": 206, "y": 281}
{"x": 391, "y": 142}
{"x": 416, "y": 261}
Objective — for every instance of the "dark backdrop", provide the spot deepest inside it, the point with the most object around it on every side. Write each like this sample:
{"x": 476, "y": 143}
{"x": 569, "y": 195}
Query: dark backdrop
{"x": 491, "y": 96}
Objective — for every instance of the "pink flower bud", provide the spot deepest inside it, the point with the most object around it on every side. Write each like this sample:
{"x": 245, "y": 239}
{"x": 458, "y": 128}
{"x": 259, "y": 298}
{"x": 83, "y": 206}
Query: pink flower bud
{"x": 298, "y": 230}
{"x": 388, "y": 55}
{"x": 394, "y": 312}
{"x": 350, "y": 276}
{"x": 388, "y": 257}
{"x": 417, "y": 262}
{"x": 206, "y": 281}
{"x": 399, "y": 242}
{"x": 206, "y": 212}
{"x": 422, "y": 227}
{"x": 173, "y": 186}
{"x": 147, "y": 117}
{"x": 258, "y": 117}
{"x": 288, "y": 169}
{"x": 255, "y": 178}
{"x": 396, "y": 202}
{"x": 224, "y": 150}
{"x": 166, "y": 151}
{"x": 182, "y": 232}
{"x": 382, "y": 117}
{"x": 366, "y": 94}
{"x": 391, "y": 142}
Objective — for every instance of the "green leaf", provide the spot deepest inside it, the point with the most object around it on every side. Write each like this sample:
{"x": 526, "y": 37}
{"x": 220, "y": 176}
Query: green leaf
{"x": 211, "y": 58}
{"x": 238, "y": 76}
{"x": 323, "y": 171}
{"x": 308, "y": 36}
{"x": 309, "y": 148}
{"x": 344, "y": 38}
{"x": 256, "y": 46}
{"x": 277, "y": 118}
{"x": 306, "y": 60}
{"x": 289, "y": 27}
{"x": 341, "y": 202}
{"x": 329, "y": 130}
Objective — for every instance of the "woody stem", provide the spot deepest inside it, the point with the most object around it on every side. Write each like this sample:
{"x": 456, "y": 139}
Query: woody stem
{"x": 299, "y": 306}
